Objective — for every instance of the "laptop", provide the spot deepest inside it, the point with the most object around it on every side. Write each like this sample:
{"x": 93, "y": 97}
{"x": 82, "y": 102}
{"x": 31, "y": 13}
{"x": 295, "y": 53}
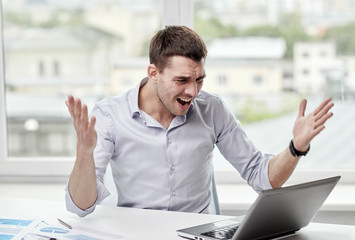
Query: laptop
{"x": 275, "y": 213}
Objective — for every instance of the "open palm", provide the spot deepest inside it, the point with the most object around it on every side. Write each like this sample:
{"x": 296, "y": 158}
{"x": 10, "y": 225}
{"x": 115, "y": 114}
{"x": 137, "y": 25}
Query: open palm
{"x": 309, "y": 126}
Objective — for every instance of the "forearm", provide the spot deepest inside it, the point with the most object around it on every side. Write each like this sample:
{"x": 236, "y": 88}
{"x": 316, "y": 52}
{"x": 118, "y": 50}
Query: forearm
{"x": 82, "y": 181}
{"x": 281, "y": 167}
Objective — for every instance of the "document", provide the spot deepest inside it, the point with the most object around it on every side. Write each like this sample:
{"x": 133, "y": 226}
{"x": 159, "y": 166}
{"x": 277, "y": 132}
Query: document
{"x": 16, "y": 229}
{"x": 77, "y": 232}
{"x": 23, "y": 229}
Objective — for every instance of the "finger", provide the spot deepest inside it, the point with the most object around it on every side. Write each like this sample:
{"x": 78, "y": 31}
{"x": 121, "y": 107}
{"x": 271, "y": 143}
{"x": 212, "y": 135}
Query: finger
{"x": 70, "y": 100}
{"x": 324, "y": 111}
{"x": 77, "y": 112}
{"x": 317, "y": 131}
{"x": 70, "y": 104}
{"x": 302, "y": 108}
{"x": 320, "y": 107}
{"x": 92, "y": 122}
{"x": 84, "y": 116}
{"x": 322, "y": 120}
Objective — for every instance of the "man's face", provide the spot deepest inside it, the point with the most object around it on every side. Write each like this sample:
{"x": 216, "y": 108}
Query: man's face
{"x": 179, "y": 83}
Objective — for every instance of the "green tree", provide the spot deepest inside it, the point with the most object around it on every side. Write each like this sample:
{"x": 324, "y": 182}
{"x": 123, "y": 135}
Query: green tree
{"x": 288, "y": 28}
{"x": 263, "y": 30}
{"x": 292, "y": 31}
{"x": 23, "y": 19}
{"x": 212, "y": 28}
{"x": 344, "y": 38}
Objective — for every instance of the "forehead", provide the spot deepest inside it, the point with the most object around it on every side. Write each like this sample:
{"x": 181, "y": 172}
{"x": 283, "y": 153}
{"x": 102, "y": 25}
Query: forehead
{"x": 179, "y": 65}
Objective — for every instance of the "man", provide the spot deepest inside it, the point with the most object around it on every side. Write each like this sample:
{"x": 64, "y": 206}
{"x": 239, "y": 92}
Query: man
{"x": 159, "y": 137}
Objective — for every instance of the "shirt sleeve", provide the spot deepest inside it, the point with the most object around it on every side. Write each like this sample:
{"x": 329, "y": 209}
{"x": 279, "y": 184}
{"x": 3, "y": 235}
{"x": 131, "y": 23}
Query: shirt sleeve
{"x": 239, "y": 150}
{"x": 71, "y": 207}
{"x": 102, "y": 155}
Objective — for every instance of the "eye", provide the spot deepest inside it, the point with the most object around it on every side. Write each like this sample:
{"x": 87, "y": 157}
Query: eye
{"x": 199, "y": 80}
{"x": 181, "y": 80}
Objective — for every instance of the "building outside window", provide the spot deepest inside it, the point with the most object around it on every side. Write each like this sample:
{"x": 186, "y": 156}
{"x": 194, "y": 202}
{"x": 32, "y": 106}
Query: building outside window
{"x": 288, "y": 37}
{"x": 94, "y": 49}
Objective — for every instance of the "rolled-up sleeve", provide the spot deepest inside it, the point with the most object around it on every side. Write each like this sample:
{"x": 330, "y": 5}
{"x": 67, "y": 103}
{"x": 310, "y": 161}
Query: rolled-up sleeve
{"x": 102, "y": 193}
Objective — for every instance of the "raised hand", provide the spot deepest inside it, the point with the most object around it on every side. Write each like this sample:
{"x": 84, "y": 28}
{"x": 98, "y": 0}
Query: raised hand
{"x": 85, "y": 129}
{"x": 307, "y": 127}
{"x": 82, "y": 181}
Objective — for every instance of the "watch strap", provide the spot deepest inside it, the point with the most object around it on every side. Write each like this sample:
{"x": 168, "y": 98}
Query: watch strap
{"x": 297, "y": 153}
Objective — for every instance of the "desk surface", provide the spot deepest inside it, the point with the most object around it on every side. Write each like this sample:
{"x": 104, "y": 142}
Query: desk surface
{"x": 146, "y": 224}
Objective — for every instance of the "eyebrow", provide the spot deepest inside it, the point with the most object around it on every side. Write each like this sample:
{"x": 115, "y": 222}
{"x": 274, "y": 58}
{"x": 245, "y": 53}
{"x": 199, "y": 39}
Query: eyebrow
{"x": 187, "y": 77}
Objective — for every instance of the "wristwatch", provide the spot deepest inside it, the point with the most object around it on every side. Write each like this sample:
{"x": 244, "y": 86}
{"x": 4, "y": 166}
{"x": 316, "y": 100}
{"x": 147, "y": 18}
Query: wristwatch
{"x": 297, "y": 153}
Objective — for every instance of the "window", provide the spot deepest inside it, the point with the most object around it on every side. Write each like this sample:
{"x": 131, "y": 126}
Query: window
{"x": 222, "y": 80}
{"x": 41, "y": 69}
{"x": 56, "y": 48}
{"x": 236, "y": 26}
{"x": 258, "y": 80}
{"x": 53, "y": 49}
{"x": 56, "y": 68}
{"x": 305, "y": 55}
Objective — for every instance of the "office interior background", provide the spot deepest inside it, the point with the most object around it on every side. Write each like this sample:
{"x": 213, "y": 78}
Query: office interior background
{"x": 263, "y": 58}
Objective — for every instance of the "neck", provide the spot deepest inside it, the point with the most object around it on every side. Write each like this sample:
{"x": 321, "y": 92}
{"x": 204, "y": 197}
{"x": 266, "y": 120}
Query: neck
{"x": 149, "y": 102}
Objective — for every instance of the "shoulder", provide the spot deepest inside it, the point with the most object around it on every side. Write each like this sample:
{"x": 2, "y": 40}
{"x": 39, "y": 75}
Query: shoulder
{"x": 205, "y": 97}
{"x": 210, "y": 106}
{"x": 114, "y": 102}
{"x": 214, "y": 105}
{"x": 209, "y": 101}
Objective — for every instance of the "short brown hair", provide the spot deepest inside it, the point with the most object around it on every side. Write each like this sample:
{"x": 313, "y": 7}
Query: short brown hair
{"x": 176, "y": 41}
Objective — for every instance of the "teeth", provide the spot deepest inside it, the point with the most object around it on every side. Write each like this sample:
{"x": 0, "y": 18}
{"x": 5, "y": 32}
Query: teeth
{"x": 185, "y": 100}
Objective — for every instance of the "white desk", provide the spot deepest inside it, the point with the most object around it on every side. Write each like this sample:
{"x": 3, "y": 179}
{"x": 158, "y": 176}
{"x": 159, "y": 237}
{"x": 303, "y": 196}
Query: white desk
{"x": 146, "y": 224}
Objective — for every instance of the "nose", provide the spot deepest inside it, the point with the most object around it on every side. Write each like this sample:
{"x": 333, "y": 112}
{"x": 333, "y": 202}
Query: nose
{"x": 192, "y": 89}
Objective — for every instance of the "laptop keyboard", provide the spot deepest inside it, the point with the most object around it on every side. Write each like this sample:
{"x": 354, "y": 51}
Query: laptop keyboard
{"x": 222, "y": 233}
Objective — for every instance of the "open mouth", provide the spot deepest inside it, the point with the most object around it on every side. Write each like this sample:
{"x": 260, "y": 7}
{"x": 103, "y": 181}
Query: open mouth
{"x": 184, "y": 101}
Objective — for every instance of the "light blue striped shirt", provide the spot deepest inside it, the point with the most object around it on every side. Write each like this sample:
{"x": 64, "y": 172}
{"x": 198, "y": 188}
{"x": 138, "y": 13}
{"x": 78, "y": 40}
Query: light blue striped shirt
{"x": 169, "y": 169}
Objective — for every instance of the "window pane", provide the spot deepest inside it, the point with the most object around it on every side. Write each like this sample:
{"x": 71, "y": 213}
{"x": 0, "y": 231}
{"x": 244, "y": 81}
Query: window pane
{"x": 91, "y": 49}
{"x": 274, "y": 53}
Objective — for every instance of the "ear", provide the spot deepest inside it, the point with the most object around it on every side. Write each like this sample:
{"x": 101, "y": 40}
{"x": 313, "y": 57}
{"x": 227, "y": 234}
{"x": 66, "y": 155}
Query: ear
{"x": 152, "y": 72}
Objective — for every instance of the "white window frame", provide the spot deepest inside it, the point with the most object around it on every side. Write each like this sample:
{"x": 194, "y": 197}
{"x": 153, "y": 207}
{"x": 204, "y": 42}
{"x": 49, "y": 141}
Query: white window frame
{"x": 178, "y": 12}
{"x": 24, "y": 169}
{"x": 175, "y": 12}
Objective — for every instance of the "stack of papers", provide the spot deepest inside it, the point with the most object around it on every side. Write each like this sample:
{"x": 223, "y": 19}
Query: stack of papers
{"x": 27, "y": 229}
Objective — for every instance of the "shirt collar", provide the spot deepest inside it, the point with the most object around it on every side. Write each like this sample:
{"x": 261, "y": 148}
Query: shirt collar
{"x": 133, "y": 98}
{"x": 133, "y": 101}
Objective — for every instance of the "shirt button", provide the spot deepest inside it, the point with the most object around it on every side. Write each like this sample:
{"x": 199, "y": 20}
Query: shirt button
{"x": 173, "y": 167}
{"x": 170, "y": 141}
{"x": 174, "y": 193}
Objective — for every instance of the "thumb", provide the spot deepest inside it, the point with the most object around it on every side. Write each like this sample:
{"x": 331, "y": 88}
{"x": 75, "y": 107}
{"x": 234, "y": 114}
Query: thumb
{"x": 302, "y": 108}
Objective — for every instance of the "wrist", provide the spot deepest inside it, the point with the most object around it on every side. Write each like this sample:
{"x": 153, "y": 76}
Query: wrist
{"x": 296, "y": 152}
{"x": 299, "y": 144}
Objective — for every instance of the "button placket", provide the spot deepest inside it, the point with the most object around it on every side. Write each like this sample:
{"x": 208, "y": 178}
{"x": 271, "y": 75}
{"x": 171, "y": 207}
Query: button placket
{"x": 170, "y": 146}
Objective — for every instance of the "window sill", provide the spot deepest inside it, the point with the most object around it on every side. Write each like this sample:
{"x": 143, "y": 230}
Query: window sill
{"x": 239, "y": 197}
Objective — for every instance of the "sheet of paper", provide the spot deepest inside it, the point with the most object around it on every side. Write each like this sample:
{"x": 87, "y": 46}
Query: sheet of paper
{"x": 59, "y": 232}
{"x": 27, "y": 229}
{"x": 15, "y": 229}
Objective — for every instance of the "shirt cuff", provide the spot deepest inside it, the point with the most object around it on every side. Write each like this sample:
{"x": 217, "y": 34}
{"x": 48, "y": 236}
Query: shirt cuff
{"x": 266, "y": 182}
{"x": 102, "y": 193}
